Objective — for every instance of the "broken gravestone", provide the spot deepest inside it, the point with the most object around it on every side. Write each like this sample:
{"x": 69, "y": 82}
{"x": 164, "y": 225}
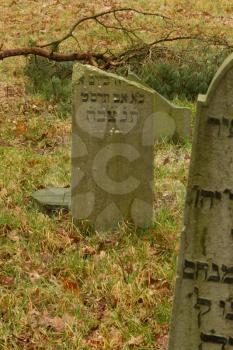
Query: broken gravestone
{"x": 203, "y": 305}
{"x": 112, "y": 150}
{"x": 115, "y": 124}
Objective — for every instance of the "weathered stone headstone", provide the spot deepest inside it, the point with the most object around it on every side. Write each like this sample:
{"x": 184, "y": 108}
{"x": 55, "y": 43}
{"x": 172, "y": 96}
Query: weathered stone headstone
{"x": 203, "y": 305}
{"x": 112, "y": 149}
{"x": 115, "y": 124}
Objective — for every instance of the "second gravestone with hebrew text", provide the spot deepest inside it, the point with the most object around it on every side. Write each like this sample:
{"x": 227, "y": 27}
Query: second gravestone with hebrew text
{"x": 203, "y": 306}
{"x": 112, "y": 150}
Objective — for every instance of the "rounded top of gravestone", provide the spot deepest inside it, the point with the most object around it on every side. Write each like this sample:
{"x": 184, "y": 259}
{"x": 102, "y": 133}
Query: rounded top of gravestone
{"x": 216, "y": 81}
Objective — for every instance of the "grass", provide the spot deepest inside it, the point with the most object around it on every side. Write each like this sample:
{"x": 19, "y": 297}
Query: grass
{"x": 60, "y": 287}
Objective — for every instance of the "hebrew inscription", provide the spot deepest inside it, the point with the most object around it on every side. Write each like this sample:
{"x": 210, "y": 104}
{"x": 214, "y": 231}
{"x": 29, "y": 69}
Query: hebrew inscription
{"x": 209, "y": 272}
{"x": 110, "y": 115}
{"x": 203, "y": 305}
{"x": 132, "y": 98}
{"x": 223, "y": 126}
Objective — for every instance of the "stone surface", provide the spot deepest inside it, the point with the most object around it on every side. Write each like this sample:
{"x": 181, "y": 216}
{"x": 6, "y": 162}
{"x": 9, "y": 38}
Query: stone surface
{"x": 53, "y": 197}
{"x": 112, "y": 149}
{"x": 203, "y": 306}
{"x": 164, "y": 110}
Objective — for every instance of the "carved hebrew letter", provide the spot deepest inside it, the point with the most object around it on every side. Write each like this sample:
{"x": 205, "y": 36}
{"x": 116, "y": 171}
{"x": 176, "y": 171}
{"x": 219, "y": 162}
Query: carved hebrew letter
{"x": 111, "y": 116}
{"x": 102, "y": 80}
{"x": 105, "y": 98}
{"x": 134, "y": 116}
{"x": 215, "y": 277}
{"x": 133, "y": 98}
{"x": 90, "y": 115}
{"x": 209, "y": 195}
{"x": 93, "y": 97}
{"x": 231, "y": 129}
{"x": 91, "y": 79}
{"x": 225, "y": 123}
{"x": 195, "y": 188}
{"x": 117, "y": 82}
{"x": 227, "y": 306}
{"x": 228, "y": 274}
{"x": 214, "y": 339}
{"x": 84, "y": 96}
{"x": 215, "y": 122}
{"x": 189, "y": 270}
{"x": 200, "y": 266}
{"x": 80, "y": 81}
{"x": 123, "y": 118}
{"x": 141, "y": 98}
{"x": 203, "y": 303}
{"x": 116, "y": 98}
{"x": 124, "y": 98}
{"x": 101, "y": 115}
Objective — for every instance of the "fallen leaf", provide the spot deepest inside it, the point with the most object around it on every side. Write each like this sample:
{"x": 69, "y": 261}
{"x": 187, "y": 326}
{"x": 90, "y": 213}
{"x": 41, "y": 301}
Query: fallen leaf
{"x": 162, "y": 342}
{"x": 20, "y": 128}
{"x": 166, "y": 160}
{"x": 165, "y": 284}
{"x": 13, "y": 236}
{"x": 205, "y": 13}
{"x": 116, "y": 337}
{"x": 32, "y": 162}
{"x": 69, "y": 319}
{"x": 34, "y": 276}
{"x": 96, "y": 341}
{"x": 88, "y": 250}
{"x": 7, "y": 280}
{"x": 3, "y": 193}
{"x": 57, "y": 323}
{"x": 136, "y": 340}
{"x": 35, "y": 108}
{"x": 68, "y": 284}
{"x": 102, "y": 254}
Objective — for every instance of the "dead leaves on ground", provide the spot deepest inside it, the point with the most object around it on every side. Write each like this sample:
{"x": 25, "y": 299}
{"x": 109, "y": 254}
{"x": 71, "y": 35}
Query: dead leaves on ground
{"x": 88, "y": 250}
{"x": 136, "y": 341}
{"x": 162, "y": 339}
{"x": 58, "y": 324}
{"x": 71, "y": 286}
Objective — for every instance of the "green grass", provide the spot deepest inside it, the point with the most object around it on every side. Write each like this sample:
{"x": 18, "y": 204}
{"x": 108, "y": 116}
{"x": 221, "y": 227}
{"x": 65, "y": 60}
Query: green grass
{"x": 63, "y": 289}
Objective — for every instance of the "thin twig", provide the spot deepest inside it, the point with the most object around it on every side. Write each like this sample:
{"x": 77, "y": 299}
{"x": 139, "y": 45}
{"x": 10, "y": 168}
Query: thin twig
{"x": 95, "y": 17}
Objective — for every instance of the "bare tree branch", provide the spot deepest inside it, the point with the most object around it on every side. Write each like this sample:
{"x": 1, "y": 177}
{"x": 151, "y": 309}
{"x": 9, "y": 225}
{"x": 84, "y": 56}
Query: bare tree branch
{"x": 96, "y": 17}
{"x": 138, "y": 49}
{"x": 108, "y": 58}
{"x": 25, "y": 51}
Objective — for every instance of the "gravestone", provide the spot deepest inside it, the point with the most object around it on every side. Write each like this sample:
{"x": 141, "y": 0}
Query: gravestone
{"x": 203, "y": 305}
{"x": 115, "y": 124}
{"x": 112, "y": 150}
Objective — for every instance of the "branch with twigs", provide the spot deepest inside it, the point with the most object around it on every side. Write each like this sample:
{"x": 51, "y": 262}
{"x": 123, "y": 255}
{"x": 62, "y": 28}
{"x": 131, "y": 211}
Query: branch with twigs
{"x": 55, "y": 56}
{"x": 97, "y": 17}
{"x": 137, "y": 48}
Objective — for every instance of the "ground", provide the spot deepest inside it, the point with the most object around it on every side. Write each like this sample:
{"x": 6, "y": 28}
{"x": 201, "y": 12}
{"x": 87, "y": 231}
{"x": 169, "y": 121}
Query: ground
{"x": 62, "y": 288}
